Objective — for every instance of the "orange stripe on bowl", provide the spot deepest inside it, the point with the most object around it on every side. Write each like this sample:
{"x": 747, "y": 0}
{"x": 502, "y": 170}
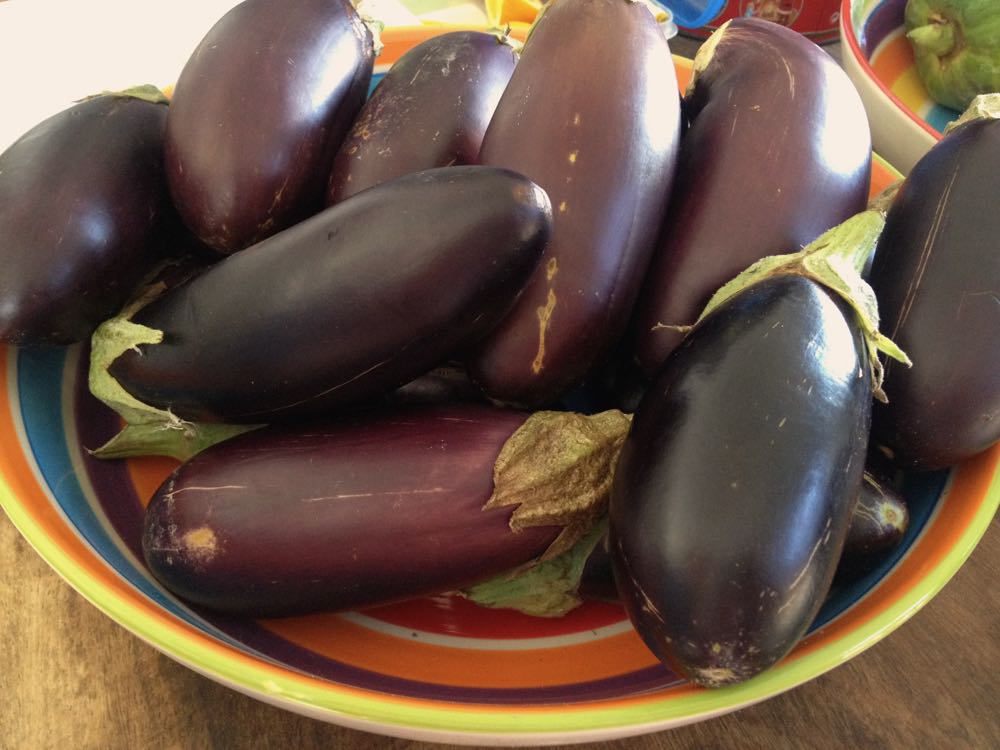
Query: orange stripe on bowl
{"x": 892, "y": 58}
{"x": 352, "y": 643}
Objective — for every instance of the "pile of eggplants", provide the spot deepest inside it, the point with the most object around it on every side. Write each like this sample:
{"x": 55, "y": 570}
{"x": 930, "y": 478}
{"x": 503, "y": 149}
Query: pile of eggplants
{"x": 504, "y": 226}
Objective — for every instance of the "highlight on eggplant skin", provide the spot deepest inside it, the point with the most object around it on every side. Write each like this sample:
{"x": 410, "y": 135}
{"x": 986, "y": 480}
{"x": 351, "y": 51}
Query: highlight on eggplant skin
{"x": 778, "y": 151}
{"x": 592, "y": 115}
{"x": 258, "y": 113}
{"x": 345, "y": 306}
{"x": 430, "y": 110}
{"x": 339, "y": 515}
{"x": 735, "y": 488}
{"x": 84, "y": 215}
{"x": 936, "y": 273}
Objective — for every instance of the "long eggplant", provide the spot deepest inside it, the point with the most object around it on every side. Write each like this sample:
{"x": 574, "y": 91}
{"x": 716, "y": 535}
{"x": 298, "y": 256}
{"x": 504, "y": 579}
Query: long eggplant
{"x": 778, "y": 151}
{"x": 369, "y": 508}
{"x": 343, "y": 307}
{"x": 258, "y": 113}
{"x": 84, "y": 215}
{"x": 937, "y": 276}
{"x": 430, "y": 110}
{"x": 592, "y": 115}
{"x": 735, "y": 489}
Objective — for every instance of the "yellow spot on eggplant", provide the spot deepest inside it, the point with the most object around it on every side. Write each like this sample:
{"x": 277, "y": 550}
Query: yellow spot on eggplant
{"x": 562, "y": 207}
{"x": 576, "y": 118}
{"x": 572, "y": 156}
{"x": 544, "y": 313}
{"x": 200, "y": 544}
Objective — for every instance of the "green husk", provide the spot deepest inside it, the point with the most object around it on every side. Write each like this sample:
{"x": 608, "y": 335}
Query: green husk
{"x": 147, "y": 92}
{"x": 548, "y": 589}
{"x": 557, "y": 470}
{"x": 148, "y": 431}
{"x": 835, "y": 260}
{"x": 956, "y": 48}
{"x": 983, "y": 107}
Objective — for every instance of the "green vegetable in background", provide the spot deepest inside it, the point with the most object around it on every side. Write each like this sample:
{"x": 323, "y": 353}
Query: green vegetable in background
{"x": 956, "y": 44}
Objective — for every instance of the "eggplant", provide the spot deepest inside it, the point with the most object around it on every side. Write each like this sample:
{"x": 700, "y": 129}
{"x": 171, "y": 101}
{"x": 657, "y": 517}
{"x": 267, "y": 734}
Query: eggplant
{"x": 430, "y": 110}
{"x": 341, "y": 308}
{"x": 592, "y": 115}
{"x": 258, "y": 113}
{"x": 880, "y": 520}
{"x": 937, "y": 274}
{"x": 361, "y": 511}
{"x": 84, "y": 215}
{"x": 735, "y": 488}
{"x": 778, "y": 151}
{"x": 878, "y": 523}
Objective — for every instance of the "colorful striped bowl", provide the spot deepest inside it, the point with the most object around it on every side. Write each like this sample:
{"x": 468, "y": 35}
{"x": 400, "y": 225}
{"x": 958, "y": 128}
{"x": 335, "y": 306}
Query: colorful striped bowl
{"x": 437, "y": 668}
{"x": 905, "y": 121}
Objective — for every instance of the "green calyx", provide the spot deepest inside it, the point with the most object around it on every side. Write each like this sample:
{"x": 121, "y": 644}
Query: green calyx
{"x": 547, "y": 589}
{"x": 956, "y": 48}
{"x": 835, "y": 260}
{"x": 148, "y": 431}
{"x": 146, "y": 92}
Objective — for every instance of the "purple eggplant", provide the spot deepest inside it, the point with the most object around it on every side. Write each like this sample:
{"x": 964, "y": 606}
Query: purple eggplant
{"x": 258, "y": 113}
{"x": 345, "y": 306}
{"x": 777, "y": 152}
{"x": 937, "y": 276}
{"x": 735, "y": 489}
{"x": 84, "y": 215}
{"x": 878, "y": 523}
{"x": 880, "y": 520}
{"x": 361, "y": 511}
{"x": 592, "y": 115}
{"x": 430, "y": 110}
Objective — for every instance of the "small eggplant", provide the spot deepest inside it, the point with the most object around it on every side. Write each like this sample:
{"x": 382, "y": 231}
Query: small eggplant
{"x": 84, "y": 215}
{"x": 258, "y": 113}
{"x": 430, "y": 110}
{"x": 356, "y": 512}
{"x": 339, "y": 309}
{"x": 777, "y": 152}
{"x": 880, "y": 520}
{"x": 592, "y": 115}
{"x": 937, "y": 276}
{"x": 735, "y": 489}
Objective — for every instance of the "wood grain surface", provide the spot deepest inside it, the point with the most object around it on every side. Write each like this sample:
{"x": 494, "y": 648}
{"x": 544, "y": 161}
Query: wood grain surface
{"x": 71, "y": 678}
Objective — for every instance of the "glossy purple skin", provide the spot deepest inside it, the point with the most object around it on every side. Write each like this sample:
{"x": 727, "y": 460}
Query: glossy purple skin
{"x": 84, "y": 208}
{"x": 736, "y": 485}
{"x": 339, "y": 515}
{"x": 879, "y": 522}
{"x": 347, "y": 305}
{"x": 592, "y": 115}
{"x": 258, "y": 113}
{"x": 430, "y": 110}
{"x": 936, "y": 274}
{"x": 777, "y": 152}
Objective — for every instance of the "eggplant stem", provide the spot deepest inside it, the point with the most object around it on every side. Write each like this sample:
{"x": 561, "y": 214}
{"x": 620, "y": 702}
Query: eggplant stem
{"x": 834, "y": 260}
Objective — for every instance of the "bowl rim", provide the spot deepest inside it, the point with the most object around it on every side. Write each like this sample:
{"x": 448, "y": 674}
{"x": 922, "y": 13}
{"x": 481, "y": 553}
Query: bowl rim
{"x": 439, "y": 720}
{"x": 854, "y": 47}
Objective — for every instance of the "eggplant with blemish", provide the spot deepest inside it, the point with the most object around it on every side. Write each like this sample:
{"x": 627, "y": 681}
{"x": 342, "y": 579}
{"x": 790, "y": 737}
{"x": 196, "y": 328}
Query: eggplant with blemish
{"x": 341, "y": 308}
{"x": 84, "y": 215}
{"x": 778, "y": 151}
{"x": 361, "y": 511}
{"x": 592, "y": 115}
{"x": 258, "y": 113}
{"x": 880, "y": 520}
{"x": 735, "y": 489}
{"x": 937, "y": 276}
{"x": 430, "y": 110}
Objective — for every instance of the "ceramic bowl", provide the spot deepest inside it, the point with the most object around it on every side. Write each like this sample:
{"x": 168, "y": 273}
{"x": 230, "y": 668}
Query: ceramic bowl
{"x": 436, "y": 668}
{"x": 905, "y": 121}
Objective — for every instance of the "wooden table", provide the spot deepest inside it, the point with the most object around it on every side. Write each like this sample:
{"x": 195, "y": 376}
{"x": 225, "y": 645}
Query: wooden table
{"x": 71, "y": 678}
